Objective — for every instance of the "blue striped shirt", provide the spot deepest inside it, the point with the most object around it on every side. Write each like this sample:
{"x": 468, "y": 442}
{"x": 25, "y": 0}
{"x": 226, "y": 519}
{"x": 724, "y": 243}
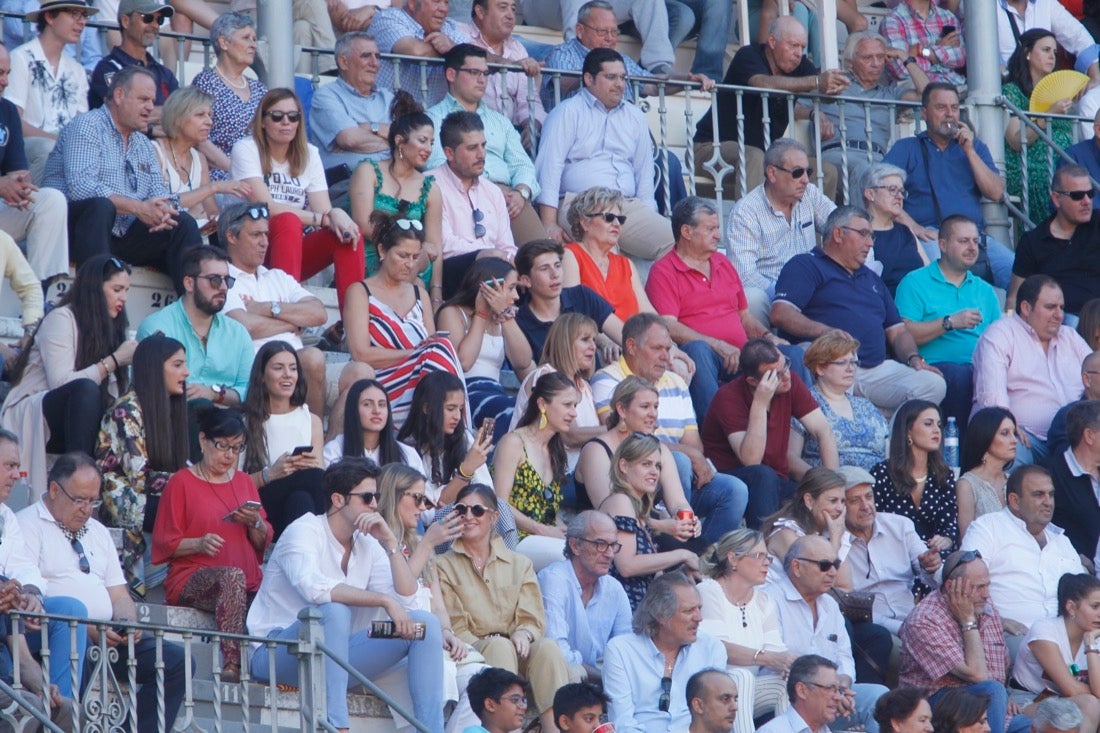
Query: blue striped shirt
{"x": 388, "y": 27}
{"x": 569, "y": 56}
{"x": 675, "y": 414}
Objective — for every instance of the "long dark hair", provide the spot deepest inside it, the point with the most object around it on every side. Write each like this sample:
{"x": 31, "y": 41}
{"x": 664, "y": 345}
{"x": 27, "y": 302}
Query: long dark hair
{"x": 257, "y": 403}
{"x": 547, "y": 387}
{"x": 97, "y": 334}
{"x": 485, "y": 268}
{"x": 423, "y": 428}
{"x": 980, "y": 432}
{"x": 388, "y": 450}
{"x": 900, "y": 460}
{"x": 406, "y": 115}
{"x": 164, "y": 415}
{"x": 1017, "y": 68}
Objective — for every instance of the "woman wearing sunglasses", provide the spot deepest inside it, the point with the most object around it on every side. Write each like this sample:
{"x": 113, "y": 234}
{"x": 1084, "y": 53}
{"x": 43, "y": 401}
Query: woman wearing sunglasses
{"x": 284, "y": 451}
{"x": 368, "y": 429}
{"x": 388, "y": 317}
{"x": 212, "y": 532}
{"x": 495, "y": 604}
{"x": 142, "y": 442}
{"x": 635, "y": 472}
{"x": 744, "y": 618}
{"x": 285, "y": 173}
{"x": 72, "y": 368}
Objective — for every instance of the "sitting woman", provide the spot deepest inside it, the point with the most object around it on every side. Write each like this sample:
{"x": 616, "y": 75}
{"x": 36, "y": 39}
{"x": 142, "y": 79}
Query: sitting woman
{"x": 481, "y": 318}
{"x": 368, "y": 429}
{"x": 904, "y": 710}
{"x": 212, "y": 532}
{"x": 399, "y": 188}
{"x": 1056, "y": 656}
{"x": 284, "y": 173}
{"x": 859, "y": 427}
{"x": 142, "y": 442}
{"x": 186, "y": 121}
{"x": 895, "y": 248}
{"x": 744, "y": 618}
{"x": 388, "y": 318}
{"x": 494, "y": 602}
{"x": 817, "y": 507}
{"x": 987, "y": 453}
{"x": 635, "y": 470}
{"x": 529, "y": 468}
{"x": 284, "y": 448}
{"x": 72, "y": 369}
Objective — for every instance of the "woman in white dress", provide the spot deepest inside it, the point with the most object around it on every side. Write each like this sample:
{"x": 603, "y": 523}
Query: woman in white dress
{"x": 369, "y": 430}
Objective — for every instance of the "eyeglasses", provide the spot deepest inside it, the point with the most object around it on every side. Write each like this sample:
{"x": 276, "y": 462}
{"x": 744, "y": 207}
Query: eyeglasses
{"x": 602, "y": 546}
{"x": 85, "y": 566}
{"x": 893, "y": 190}
{"x": 831, "y": 689}
{"x": 603, "y": 32}
{"x": 479, "y": 228}
{"x": 157, "y": 18}
{"x": 957, "y": 560}
{"x": 797, "y": 173}
{"x": 823, "y": 565}
{"x": 477, "y": 510}
{"x": 216, "y": 281}
{"x": 478, "y": 73}
{"x": 520, "y": 701}
{"x": 665, "y": 700}
{"x": 1076, "y": 195}
{"x": 846, "y": 363}
{"x": 758, "y": 556}
{"x": 421, "y": 501}
{"x": 236, "y": 448}
{"x": 863, "y": 233}
{"x": 77, "y": 13}
{"x": 368, "y": 497}
{"x": 609, "y": 217}
{"x": 113, "y": 264}
{"x": 81, "y": 502}
{"x": 278, "y": 115}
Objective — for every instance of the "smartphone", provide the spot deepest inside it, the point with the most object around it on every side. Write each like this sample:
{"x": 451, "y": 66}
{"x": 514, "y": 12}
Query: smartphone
{"x": 487, "y": 425}
{"x": 947, "y": 29}
{"x": 302, "y": 449}
{"x": 250, "y": 505}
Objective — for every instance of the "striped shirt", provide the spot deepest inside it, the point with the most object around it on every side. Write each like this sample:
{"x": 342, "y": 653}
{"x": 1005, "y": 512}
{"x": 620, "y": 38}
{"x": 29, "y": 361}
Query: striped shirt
{"x": 675, "y": 415}
{"x": 388, "y": 27}
{"x": 569, "y": 56}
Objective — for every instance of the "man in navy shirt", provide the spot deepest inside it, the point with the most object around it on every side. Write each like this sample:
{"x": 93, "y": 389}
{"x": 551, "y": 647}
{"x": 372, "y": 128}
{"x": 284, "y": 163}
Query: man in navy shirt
{"x": 139, "y": 21}
{"x": 831, "y": 289}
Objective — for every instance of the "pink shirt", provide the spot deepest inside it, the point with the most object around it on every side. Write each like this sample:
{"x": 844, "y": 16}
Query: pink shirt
{"x": 507, "y": 93}
{"x": 1011, "y": 370}
{"x": 712, "y": 306}
{"x": 458, "y": 215}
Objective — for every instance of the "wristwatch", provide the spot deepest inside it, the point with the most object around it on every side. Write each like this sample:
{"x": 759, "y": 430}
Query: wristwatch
{"x": 276, "y": 309}
{"x": 926, "y": 53}
{"x": 374, "y": 127}
{"x": 947, "y": 325}
{"x": 219, "y": 393}
{"x": 524, "y": 192}
{"x": 911, "y": 60}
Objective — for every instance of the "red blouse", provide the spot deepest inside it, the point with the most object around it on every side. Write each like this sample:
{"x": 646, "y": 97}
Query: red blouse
{"x": 616, "y": 288}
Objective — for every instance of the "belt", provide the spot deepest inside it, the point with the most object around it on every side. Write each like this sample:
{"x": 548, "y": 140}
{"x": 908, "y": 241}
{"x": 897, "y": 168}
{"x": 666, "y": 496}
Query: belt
{"x": 858, "y": 145}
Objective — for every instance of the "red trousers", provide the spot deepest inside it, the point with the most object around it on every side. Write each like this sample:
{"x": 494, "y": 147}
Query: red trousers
{"x": 303, "y": 256}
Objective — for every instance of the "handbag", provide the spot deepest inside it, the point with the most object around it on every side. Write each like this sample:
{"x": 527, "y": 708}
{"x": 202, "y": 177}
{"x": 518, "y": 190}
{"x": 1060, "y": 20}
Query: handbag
{"x": 856, "y": 606}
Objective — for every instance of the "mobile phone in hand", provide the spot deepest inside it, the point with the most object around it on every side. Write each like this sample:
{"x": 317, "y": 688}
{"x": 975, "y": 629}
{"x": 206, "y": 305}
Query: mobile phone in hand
{"x": 302, "y": 449}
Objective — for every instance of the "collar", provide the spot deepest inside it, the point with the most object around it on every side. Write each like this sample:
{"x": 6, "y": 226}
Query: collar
{"x": 238, "y": 273}
{"x": 444, "y": 171}
{"x": 798, "y": 723}
{"x": 496, "y": 551}
{"x": 1004, "y": 4}
{"x": 589, "y": 100}
{"x": 923, "y": 136}
{"x": 821, "y": 253}
{"x": 45, "y": 515}
{"x": 148, "y": 61}
{"x": 451, "y": 104}
{"x": 352, "y": 90}
{"x": 1051, "y": 530}
{"x": 774, "y": 210}
{"x": 937, "y": 274}
{"x": 680, "y": 265}
{"x": 1075, "y": 467}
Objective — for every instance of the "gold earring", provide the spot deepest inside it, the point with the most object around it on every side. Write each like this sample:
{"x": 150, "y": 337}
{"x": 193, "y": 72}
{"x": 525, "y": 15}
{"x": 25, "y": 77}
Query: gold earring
{"x": 542, "y": 419}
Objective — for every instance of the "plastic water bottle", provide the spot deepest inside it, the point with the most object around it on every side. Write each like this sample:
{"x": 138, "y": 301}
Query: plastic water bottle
{"x": 20, "y": 496}
{"x": 951, "y": 444}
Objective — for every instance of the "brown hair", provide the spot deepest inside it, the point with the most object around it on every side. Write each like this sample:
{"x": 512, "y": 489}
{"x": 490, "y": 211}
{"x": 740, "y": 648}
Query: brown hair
{"x": 298, "y": 153}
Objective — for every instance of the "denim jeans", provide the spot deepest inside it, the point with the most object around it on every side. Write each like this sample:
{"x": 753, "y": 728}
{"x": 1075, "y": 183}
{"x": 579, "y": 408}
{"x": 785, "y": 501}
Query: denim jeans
{"x": 60, "y": 638}
{"x": 720, "y": 503}
{"x": 960, "y": 393}
{"x": 766, "y": 491}
{"x": 175, "y": 669}
{"x": 710, "y": 20}
{"x": 866, "y": 697}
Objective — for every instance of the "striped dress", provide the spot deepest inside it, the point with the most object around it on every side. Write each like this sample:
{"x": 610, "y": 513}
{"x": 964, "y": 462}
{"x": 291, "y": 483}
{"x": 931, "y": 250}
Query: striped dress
{"x": 429, "y": 353}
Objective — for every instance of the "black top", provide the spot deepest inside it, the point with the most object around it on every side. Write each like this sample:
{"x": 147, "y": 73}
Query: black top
{"x": 118, "y": 60}
{"x": 1074, "y": 263}
{"x": 12, "y": 156}
{"x": 896, "y": 249}
{"x": 1075, "y": 507}
{"x": 576, "y": 299}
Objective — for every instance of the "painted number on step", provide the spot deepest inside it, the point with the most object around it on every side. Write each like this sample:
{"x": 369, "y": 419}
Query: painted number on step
{"x": 162, "y": 300}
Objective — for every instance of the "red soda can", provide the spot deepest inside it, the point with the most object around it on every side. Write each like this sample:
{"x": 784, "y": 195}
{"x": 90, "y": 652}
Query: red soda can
{"x": 685, "y": 514}
{"x": 605, "y": 728}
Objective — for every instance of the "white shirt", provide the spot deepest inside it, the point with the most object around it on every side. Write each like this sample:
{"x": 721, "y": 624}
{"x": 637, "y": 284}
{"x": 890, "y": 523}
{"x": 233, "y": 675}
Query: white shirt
{"x": 1049, "y": 14}
{"x": 334, "y": 451}
{"x": 305, "y": 567}
{"x": 15, "y": 558}
{"x": 283, "y": 187}
{"x": 1024, "y": 578}
{"x": 757, "y": 627}
{"x": 828, "y": 638}
{"x": 1027, "y": 670}
{"x": 49, "y": 100}
{"x": 60, "y": 565}
{"x": 266, "y": 286}
{"x": 789, "y": 722}
{"x": 886, "y": 566}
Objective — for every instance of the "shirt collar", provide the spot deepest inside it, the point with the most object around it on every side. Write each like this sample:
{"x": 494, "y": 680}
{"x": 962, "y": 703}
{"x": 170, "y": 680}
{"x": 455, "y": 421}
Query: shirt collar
{"x": 496, "y": 547}
{"x": 937, "y": 274}
{"x": 680, "y": 265}
{"x": 147, "y": 62}
{"x": 1050, "y": 530}
{"x": 348, "y": 88}
{"x": 445, "y": 171}
{"x": 591, "y": 101}
{"x": 1075, "y": 467}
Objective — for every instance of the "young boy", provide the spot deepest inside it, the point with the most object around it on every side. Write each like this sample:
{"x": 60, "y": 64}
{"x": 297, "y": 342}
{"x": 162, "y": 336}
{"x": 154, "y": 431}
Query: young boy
{"x": 578, "y": 707}
{"x": 499, "y": 700}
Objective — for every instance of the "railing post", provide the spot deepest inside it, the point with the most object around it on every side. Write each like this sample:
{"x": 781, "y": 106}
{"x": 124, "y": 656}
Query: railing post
{"x": 311, "y": 670}
{"x": 277, "y": 28}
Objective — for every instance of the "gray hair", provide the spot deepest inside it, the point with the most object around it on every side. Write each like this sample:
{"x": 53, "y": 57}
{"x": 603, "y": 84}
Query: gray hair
{"x": 226, "y": 25}
{"x": 586, "y": 10}
{"x": 342, "y": 49}
{"x": 857, "y": 38}
{"x": 578, "y": 527}
{"x": 687, "y": 211}
{"x": 660, "y": 603}
{"x": 779, "y": 149}
{"x": 232, "y": 220}
{"x": 841, "y": 217}
{"x": 713, "y": 563}
{"x": 180, "y": 105}
{"x": 1056, "y": 713}
{"x": 593, "y": 201}
{"x": 804, "y": 669}
{"x": 876, "y": 173}
{"x": 784, "y": 24}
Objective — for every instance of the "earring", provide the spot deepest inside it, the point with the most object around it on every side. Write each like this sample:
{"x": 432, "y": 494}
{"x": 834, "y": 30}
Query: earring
{"x": 542, "y": 419}
{"x": 400, "y": 154}
{"x": 909, "y": 441}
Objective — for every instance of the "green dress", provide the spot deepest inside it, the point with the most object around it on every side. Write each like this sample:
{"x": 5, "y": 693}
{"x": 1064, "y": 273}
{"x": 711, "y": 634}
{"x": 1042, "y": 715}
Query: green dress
{"x": 400, "y": 208}
{"x": 1038, "y": 164}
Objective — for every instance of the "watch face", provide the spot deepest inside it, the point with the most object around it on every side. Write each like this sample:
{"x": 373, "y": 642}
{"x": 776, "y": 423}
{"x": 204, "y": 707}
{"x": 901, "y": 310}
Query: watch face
{"x": 218, "y": 389}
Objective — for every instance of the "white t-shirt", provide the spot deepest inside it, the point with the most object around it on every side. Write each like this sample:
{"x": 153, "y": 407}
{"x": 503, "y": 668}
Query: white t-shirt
{"x": 267, "y": 286}
{"x": 284, "y": 188}
{"x": 1027, "y": 671}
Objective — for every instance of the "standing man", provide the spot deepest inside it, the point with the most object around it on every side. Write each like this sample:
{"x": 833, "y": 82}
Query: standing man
{"x": 712, "y": 698}
{"x": 140, "y": 22}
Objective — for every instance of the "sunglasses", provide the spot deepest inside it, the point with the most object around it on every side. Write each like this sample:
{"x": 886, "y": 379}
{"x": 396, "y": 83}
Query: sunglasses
{"x": 1076, "y": 195}
{"x": 797, "y": 173}
{"x": 823, "y": 565}
{"x": 958, "y": 560}
{"x": 85, "y": 566}
{"x": 422, "y": 501}
{"x": 277, "y": 116}
{"x": 216, "y": 281}
{"x": 255, "y": 213}
{"x": 113, "y": 265}
{"x": 609, "y": 217}
{"x": 665, "y": 700}
{"x": 153, "y": 18}
{"x": 368, "y": 497}
{"x": 479, "y": 228}
{"x": 477, "y": 510}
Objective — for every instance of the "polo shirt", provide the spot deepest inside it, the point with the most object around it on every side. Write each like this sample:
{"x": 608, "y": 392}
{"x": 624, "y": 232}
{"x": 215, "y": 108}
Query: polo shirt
{"x": 710, "y": 305}
{"x": 227, "y": 357}
{"x": 575, "y": 299}
{"x": 116, "y": 61}
{"x": 948, "y": 170}
{"x": 925, "y": 295}
{"x": 1074, "y": 263}
{"x": 729, "y": 414}
{"x": 675, "y": 413}
{"x": 749, "y": 61}
{"x": 1086, "y": 153}
{"x": 12, "y": 155}
{"x": 856, "y": 302}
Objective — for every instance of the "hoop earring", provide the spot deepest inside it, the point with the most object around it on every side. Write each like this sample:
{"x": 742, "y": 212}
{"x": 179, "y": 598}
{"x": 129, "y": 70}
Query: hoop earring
{"x": 542, "y": 419}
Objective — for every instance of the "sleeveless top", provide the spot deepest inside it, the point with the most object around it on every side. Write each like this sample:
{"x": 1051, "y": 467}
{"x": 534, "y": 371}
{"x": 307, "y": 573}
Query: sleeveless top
{"x": 286, "y": 432}
{"x": 583, "y": 501}
{"x": 637, "y": 586}
{"x": 391, "y": 331}
{"x": 176, "y": 184}
{"x": 491, "y": 356}
{"x": 397, "y": 207}
{"x": 616, "y": 288}
{"x": 531, "y": 496}
{"x": 987, "y": 497}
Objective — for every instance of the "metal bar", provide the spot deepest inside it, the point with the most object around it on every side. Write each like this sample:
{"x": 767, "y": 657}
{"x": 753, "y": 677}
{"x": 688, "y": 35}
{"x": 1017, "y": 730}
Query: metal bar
{"x": 374, "y": 689}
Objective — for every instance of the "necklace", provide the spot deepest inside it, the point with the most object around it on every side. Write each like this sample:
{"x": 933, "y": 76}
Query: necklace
{"x": 920, "y": 479}
{"x": 744, "y": 618}
{"x": 185, "y": 173}
{"x": 201, "y": 472}
{"x": 242, "y": 84}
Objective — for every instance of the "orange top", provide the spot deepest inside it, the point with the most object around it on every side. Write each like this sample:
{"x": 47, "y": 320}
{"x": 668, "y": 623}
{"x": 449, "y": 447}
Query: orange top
{"x": 616, "y": 288}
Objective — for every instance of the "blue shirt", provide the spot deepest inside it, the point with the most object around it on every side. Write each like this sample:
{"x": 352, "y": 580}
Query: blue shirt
{"x": 582, "y": 631}
{"x": 389, "y": 26}
{"x": 1086, "y": 153}
{"x": 116, "y": 61}
{"x": 632, "y": 672}
{"x": 857, "y": 302}
{"x": 226, "y": 358}
{"x": 585, "y": 144}
{"x": 948, "y": 170}
{"x": 925, "y": 295}
{"x": 569, "y": 56}
{"x": 576, "y": 299}
{"x": 337, "y": 107}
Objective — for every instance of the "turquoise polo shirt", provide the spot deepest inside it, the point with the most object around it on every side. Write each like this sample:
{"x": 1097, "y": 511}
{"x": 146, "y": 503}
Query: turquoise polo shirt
{"x": 924, "y": 295}
{"x": 227, "y": 358}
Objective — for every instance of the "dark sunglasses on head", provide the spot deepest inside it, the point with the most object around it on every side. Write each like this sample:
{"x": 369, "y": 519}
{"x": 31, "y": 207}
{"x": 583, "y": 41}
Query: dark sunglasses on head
{"x": 957, "y": 560}
{"x": 609, "y": 217}
{"x": 665, "y": 700}
{"x": 255, "y": 213}
{"x": 113, "y": 265}
{"x": 477, "y": 510}
{"x": 822, "y": 565}
{"x": 277, "y": 116}
{"x": 1076, "y": 195}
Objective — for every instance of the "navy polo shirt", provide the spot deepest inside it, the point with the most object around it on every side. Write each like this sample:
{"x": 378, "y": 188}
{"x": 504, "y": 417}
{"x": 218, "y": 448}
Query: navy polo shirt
{"x": 118, "y": 60}
{"x": 577, "y": 299}
{"x": 12, "y": 155}
{"x": 1087, "y": 154}
{"x": 858, "y": 302}
{"x": 948, "y": 170}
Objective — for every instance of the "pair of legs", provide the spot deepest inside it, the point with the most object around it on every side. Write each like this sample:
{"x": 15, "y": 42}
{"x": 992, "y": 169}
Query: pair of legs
{"x": 526, "y": 225}
{"x": 73, "y": 412}
{"x": 960, "y": 393}
{"x": 221, "y": 591}
{"x": 649, "y": 16}
{"x": 286, "y": 499}
{"x": 708, "y": 19}
{"x": 67, "y": 645}
{"x": 767, "y": 490}
{"x": 151, "y": 685}
{"x": 316, "y": 370}
{"x": 303, "y": 255}
{"x": 758, "y": 695}
{"x": 44, "y": 227}
{"x": 998, "y": 707}
{"x": 720, "y": 503}
{"x": 455, "y": 267}
{"x": 891, "y": 383}
{"x": 544, "y": 667}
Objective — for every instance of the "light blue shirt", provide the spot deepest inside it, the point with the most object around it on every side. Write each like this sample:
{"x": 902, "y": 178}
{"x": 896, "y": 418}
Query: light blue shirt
{"x": 790, "y": 722}
{"x": 337, "y": 107}
{"x": 569, "y": 56}
{"x": 389, "y": 26}
{"x": 582, "y": 631}
{"x": 585, "y": 144}
{"x": 506, "y": 161}
{"x": 632, "y": 672}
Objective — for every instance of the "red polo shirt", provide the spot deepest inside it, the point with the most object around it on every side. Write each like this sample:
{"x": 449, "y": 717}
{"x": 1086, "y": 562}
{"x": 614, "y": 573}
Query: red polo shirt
{"x": 712, "y": 306}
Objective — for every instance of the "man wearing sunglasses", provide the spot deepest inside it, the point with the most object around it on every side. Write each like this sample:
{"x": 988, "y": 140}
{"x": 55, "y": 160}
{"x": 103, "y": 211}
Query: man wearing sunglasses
{"x": 140, "y": 22}
{"x": 585, "y": 606}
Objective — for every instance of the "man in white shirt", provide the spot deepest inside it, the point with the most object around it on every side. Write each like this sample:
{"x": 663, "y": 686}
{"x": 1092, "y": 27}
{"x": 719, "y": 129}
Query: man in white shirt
{"x": 886, "y": 555}
{"x": 817, "y": 691}
{"x": 272, "y": 305}
{"x": 347, "y": 565}
{"x": 76, "y": 556}
{"x": 1026, "y": 554}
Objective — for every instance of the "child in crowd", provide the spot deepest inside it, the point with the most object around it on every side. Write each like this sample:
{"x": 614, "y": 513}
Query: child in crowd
{"x": 579, "y": 707}
{"x": 499, "y": 699}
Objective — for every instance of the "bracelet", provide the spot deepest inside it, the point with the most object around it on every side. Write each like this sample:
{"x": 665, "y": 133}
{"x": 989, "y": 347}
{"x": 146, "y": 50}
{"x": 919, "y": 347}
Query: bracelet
{"x": 911, "y": 357}
{"x": 457, "y": 476}
{"x": 1092, "y": 650}
{"x": 758, "y": 653}
{"x": 117, "y": 365}
{"x": 106, "y": 367}
{"x": 435, "y": 287}
{"x": 483, "y": 315}
{"x": 264, "y": 476}
{"x": 969, "y": 626}
{"x": 463, "y": 474}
